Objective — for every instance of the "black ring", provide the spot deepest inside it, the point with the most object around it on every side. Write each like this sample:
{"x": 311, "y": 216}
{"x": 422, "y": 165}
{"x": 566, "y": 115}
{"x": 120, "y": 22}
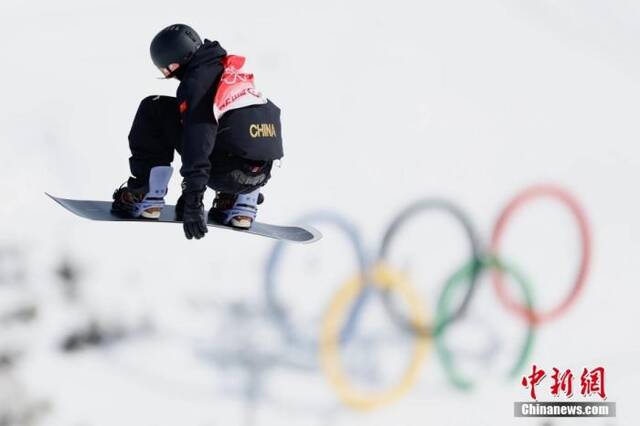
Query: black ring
{"x": 476, "y": 253}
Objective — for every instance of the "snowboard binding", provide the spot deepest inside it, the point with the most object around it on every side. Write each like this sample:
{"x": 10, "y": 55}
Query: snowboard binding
{"x": 236, "y": 210}
{"x": 145, "y": 203}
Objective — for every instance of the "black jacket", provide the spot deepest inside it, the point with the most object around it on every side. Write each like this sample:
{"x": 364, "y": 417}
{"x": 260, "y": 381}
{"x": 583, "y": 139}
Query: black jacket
{"x": 239, "y": 133}
{"x": 198, "y": 82}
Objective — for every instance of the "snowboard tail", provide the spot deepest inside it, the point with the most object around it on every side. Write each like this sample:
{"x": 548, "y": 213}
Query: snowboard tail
{"x": 101, "y": 210}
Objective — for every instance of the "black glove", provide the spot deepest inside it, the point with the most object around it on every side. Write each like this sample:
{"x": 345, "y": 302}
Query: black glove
{"x": 193, "y": 218}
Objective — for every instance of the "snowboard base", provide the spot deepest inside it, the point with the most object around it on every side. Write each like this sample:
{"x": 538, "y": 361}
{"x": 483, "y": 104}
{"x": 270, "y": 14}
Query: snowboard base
{"x": 101, "y": 210}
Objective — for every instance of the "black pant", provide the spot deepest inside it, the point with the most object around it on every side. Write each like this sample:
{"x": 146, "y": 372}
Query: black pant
{"x": 157, "y": 132}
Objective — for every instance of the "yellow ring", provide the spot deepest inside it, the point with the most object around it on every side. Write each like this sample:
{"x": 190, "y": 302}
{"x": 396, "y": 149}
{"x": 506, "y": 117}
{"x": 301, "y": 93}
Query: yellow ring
{"x": 383, "y": 277}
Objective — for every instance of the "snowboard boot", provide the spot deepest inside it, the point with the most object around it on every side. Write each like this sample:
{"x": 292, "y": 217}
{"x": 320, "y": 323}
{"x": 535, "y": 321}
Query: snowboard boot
{"x": 236, "y": 210}
{"x": 143, "y": 202}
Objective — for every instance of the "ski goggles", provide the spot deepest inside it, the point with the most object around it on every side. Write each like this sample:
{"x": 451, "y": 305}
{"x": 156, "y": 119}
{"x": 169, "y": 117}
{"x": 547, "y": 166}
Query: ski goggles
{"x": 169, "y": 71}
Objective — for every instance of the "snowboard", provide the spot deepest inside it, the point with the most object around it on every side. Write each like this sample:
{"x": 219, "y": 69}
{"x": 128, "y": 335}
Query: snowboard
{"x": 101, "y": 210}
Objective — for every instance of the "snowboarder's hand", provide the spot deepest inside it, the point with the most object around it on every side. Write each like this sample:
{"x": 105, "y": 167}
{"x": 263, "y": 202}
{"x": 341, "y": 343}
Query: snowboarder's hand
{"x": 193, "y": 218}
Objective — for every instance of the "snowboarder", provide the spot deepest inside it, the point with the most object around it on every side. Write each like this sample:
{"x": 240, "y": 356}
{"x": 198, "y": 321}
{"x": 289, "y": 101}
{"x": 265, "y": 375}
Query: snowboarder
{"x": 227, "y": 133}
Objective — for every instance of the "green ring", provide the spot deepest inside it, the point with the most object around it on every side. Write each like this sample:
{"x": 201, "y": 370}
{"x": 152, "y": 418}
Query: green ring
{"x": 444, "y": 302}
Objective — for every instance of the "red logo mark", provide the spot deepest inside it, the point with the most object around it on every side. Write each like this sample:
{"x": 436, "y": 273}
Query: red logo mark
{"x": 532, "y": 380}
{"x": 562, "y": 382}
{"x": 593, "y": 382}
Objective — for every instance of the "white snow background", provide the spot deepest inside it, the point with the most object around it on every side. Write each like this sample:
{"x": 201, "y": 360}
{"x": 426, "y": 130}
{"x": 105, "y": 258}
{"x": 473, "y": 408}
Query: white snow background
{"x": 383, "y": 102}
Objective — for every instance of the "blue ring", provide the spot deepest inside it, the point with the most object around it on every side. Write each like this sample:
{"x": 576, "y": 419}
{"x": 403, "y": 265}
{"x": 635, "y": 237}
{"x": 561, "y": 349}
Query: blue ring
{"x": 279, "y": 312}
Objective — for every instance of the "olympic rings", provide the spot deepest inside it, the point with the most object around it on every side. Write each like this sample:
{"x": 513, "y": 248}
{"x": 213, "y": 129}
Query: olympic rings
{"x": 475, "y": 253}
{"x": 386, "y": 279}
{"x": 585, "y": 236}
{"x": 342, "y": 314}
{"x": 275, "y": 306}
{"x": 462, "y": 275}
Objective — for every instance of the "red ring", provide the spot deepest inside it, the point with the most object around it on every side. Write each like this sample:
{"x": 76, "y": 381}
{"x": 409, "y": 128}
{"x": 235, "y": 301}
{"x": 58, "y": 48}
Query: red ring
{"x": 585, "y": 235}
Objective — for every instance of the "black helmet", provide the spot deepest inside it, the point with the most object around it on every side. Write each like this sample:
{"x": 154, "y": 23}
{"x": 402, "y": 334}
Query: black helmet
{"x": 174, "y": 46}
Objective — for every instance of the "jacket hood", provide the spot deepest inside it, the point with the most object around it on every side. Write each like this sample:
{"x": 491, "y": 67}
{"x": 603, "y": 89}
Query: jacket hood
{"x": 209, "y": 53}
